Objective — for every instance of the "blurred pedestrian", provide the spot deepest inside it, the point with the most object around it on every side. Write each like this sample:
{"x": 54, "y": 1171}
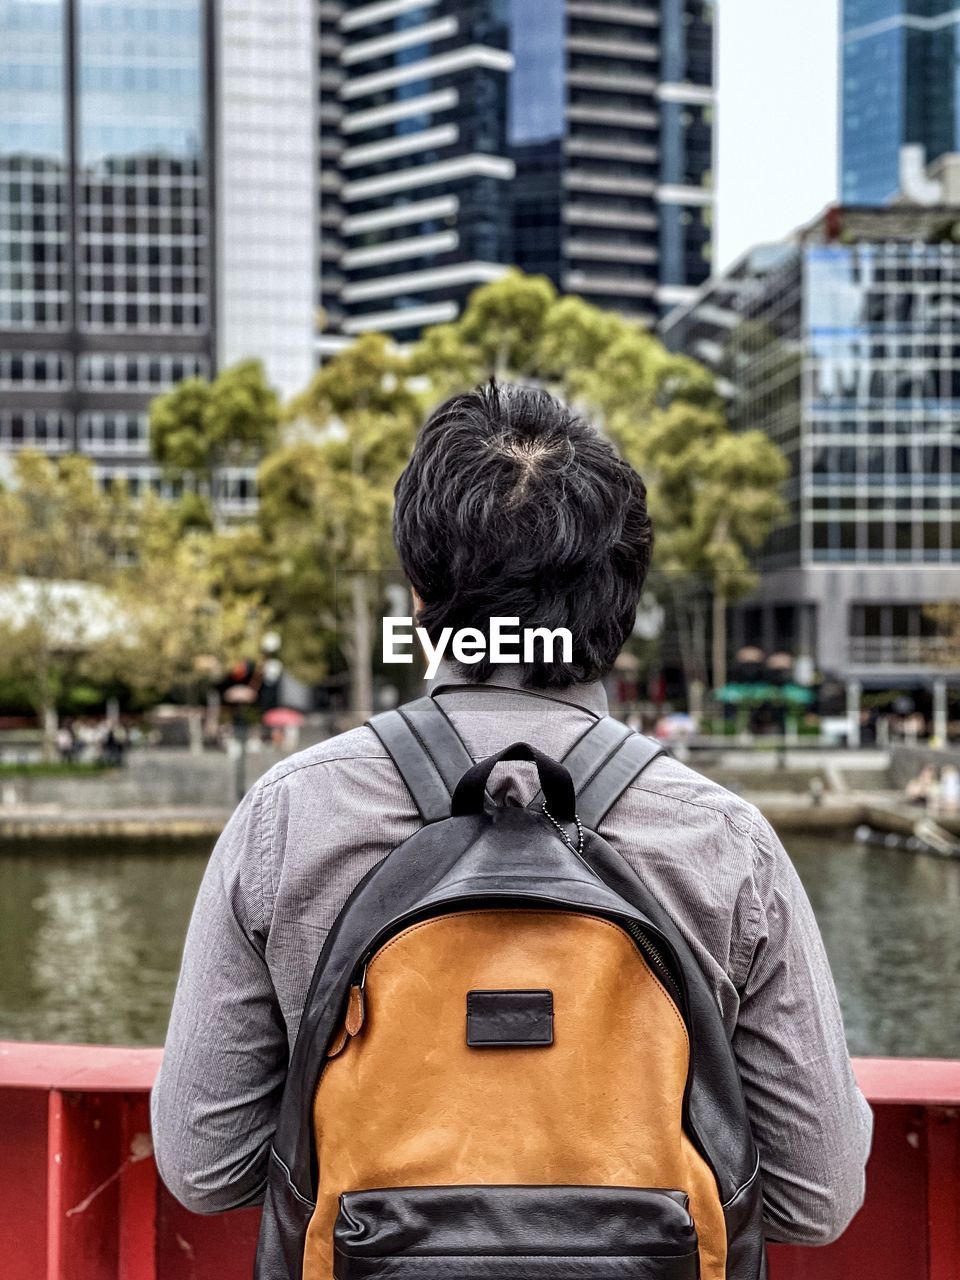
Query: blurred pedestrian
{"x": 66, "y": 743}
{"x": 114, "y": 745}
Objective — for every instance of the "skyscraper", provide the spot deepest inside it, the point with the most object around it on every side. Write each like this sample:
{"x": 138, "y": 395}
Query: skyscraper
{"x": 900, "y": 85}
{"x": 569, "y": 137}
{"x": 423, "y": 170}
{"x": 156, "y": 210}
{"x": 264, "y": 71}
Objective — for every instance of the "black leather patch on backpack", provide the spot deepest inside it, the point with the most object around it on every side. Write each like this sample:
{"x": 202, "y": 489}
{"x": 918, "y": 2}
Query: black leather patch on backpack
{"x": 509, "y": 1019}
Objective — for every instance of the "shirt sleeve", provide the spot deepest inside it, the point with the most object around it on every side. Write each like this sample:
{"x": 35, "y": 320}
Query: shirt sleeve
{"x": 215, "y": 1101}
{"x": 810, "y": 1122}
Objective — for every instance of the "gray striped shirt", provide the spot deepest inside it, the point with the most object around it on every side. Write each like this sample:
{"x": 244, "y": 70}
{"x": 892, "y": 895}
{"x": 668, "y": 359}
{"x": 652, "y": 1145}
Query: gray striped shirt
{"x": 313, "y": 826}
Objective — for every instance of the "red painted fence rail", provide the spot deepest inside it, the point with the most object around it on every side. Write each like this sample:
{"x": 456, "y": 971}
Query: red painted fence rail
{"x": 80, "y": 1198}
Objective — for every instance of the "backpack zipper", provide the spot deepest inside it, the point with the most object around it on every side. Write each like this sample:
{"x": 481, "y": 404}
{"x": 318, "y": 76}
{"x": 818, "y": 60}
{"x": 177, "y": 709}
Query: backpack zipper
{"x": 637, "y": 934}
{"x": 656, "y": 961}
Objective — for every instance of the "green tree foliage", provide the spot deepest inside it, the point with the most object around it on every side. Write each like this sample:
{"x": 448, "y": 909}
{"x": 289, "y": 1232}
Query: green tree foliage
{"x": 942, "y": 634}
{"x": 504, "y": 324}
{"x": 195, "y": 593}
{"x": 199, "y": 427}
{"x": 326, "y": 502}
{"x": 98, "y": 591}
{"x": 499, "y": 335}
{"x": 60, "y": 538}
{"x": 574, "y": 339}
{"x": 715, "y": 496}
{"x": 187, "y": 610}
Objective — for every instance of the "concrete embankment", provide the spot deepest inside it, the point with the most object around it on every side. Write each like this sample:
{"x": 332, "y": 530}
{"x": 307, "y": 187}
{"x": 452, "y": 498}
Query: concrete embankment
{"x": 23, "y": 825}
{"x": 787, "y": 814}
{"x": 163, "y": 795}
{"x": 158, "y": 795}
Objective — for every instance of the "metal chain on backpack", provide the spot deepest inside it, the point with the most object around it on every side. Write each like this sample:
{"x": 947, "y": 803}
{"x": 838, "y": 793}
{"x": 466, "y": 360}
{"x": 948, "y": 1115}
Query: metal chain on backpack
{"x": 563, "y": 835}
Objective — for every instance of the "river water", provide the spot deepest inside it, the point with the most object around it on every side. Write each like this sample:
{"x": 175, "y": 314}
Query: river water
{"x": 90, "y": 942}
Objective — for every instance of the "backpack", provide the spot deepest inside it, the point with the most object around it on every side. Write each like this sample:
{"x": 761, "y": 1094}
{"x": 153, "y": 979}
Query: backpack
{"x": 509, "y": 1065}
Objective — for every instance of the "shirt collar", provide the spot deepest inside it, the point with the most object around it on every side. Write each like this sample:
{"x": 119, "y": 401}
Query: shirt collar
{"x": 589, "y": 695}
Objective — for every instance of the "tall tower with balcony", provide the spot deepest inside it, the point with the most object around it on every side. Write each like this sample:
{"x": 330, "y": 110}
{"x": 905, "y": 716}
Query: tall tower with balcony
{"x": 572, "y": 138}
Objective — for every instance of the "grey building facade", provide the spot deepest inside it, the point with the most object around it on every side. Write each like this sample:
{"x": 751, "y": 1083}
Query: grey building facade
{"x": 149, "y": 231}
{"x": 843, "y": 346}
{"x": 899, "y": 87}
{"x": 572, "y": 138}
{"x": 329, "y": 147}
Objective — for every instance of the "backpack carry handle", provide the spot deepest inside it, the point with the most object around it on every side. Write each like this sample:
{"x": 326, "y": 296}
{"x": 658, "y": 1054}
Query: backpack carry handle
{"x": 555, "y": 782}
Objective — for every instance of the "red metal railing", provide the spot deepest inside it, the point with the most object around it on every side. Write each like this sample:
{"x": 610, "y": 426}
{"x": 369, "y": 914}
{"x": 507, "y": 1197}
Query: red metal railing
{"x": 80, "y": 1198}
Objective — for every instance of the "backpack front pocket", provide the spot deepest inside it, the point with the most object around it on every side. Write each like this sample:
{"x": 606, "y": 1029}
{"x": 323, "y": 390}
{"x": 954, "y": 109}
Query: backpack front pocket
{"x": 515, "y": 1233}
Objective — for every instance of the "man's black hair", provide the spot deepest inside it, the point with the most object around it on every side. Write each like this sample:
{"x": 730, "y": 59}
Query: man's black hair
{"x": 513, "y": 506}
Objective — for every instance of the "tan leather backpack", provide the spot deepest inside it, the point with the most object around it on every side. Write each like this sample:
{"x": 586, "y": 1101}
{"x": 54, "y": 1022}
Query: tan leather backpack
{"x": 509, "y": 1065}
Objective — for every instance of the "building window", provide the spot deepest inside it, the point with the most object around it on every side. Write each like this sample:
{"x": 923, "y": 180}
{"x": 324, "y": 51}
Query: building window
{"x": 34, "y": 370}
{"x": 901, "y": 634}
{"x": 126, "y": 433}
{"x": 137, "y": 372}
{"x": 29, "y": 429}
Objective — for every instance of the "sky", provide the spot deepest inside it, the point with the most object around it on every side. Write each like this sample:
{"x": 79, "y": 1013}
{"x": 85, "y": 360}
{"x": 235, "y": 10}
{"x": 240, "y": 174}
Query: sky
{"x": 777, "y": 118}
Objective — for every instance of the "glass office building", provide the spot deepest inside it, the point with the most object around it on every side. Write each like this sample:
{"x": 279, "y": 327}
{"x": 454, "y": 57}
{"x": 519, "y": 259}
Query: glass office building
{"x": 900, "y": 85}
{"x": 105, "y": 242}
{"x": 112, "y": 178}
{"x": 35, "y": 230}
{"x": 264, "y": 76}
{"x": 34, "y": 169}
{"x": 843, "y": 347}
{"x": 572, "y": 138}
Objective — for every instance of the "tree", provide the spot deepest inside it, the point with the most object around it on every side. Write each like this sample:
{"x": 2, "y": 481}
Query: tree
{"x": 60, "y": 538}
{"x": 575, "y": 337}
{"x": 199, "y": 428}
{"x": 326, "y": 502}
{"x": 518, "y": 328}
{"x": 184, "y": 620}
{"x": 666, "y": 446}
{"x": 503, "y": 323}
{"x": 715, "y": 496}
{"x": 445, "y": 362}
{"x": 96, "y": 589}
{"x": 940, "y": 629}
{"x": 499, "y": 335}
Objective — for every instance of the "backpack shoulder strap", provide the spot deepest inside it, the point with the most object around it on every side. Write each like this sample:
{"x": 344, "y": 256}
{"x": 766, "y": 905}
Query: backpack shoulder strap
{"x": 603, "y": 762}
{"x": 589, "y": 753}
{"x": 618, "y": 771}
{"x": 427, "y": 752}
